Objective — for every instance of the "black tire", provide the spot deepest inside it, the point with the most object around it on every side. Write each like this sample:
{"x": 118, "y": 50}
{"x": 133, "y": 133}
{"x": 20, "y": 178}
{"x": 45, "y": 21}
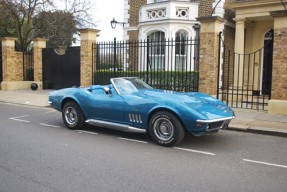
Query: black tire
{"x": 165, "y": 129}
{"x": 72, "y": 115}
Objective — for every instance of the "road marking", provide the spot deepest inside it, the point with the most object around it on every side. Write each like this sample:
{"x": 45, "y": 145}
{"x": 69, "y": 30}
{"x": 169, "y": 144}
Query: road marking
{"x": 52, "y": 111}
{"x": 194, "y": 151}
{"x": 133, "y": 140}
{"x": 47, "y": 125}
{"x": 87, "y": 132}
{"x": 17, "y": 118}
{"x": 265, "y": 163}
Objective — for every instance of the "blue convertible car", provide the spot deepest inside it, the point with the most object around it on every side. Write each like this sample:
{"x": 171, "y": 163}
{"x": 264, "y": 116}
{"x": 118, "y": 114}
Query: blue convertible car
{"x": 129, "y": 104}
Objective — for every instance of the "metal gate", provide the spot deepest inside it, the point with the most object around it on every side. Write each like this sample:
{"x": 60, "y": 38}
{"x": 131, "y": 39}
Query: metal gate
{"x": 61, "y": 70}
{"x": 28, "y": 65}
{"x": 242, "y": 78}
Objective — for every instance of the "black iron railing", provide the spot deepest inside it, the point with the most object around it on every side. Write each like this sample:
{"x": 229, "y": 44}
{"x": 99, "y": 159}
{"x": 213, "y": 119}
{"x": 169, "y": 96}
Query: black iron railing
{"x": 28, "y": 66}
{"x": 241, "y": 78}
{"x": 164, "y": 64}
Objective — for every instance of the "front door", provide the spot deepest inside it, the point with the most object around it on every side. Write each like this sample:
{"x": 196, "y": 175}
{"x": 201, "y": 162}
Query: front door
{"x": 267, "y": 63}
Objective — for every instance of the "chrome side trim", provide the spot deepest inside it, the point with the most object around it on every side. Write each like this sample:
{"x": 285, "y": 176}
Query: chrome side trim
{"x": 214, "y": 120}
{"x": 116, "y": 126}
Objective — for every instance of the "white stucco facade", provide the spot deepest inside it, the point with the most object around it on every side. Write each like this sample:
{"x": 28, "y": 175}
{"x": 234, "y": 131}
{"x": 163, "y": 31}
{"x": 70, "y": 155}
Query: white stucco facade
{"x": 165, "y": 16}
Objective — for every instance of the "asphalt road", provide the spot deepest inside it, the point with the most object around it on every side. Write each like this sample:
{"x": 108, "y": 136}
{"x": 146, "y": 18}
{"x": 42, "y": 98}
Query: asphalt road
{"x": 37, "y": 153}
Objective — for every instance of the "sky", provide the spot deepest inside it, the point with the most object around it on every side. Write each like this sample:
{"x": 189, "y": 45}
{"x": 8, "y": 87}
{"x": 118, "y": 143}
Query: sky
{"x": 104, "y": 12}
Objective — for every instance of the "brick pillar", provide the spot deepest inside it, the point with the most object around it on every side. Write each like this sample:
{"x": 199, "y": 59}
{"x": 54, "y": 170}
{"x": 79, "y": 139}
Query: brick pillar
{"x": 12, "y": 71}
{"x": 278, "y": 102}
{"x": 208, "y": 62}
{"x": 39, "y": 44}
{"x": 12, "y": 64}
{"x": 88, "y": 37}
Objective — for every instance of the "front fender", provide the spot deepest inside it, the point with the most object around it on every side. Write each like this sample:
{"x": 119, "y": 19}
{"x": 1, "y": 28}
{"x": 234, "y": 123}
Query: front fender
{"x": 185, "y": 115}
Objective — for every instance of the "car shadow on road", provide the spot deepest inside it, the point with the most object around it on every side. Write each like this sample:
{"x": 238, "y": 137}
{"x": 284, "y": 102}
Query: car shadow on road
{"x": 219, "y": 139}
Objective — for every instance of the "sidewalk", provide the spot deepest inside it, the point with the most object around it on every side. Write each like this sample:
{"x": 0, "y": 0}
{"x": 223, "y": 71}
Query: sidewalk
{"x": 246, "y": 120}
{"x": 26, "y": 97}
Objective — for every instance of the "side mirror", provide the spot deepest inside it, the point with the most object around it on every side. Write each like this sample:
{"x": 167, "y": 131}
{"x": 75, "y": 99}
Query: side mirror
{"x": 107, "y": 90}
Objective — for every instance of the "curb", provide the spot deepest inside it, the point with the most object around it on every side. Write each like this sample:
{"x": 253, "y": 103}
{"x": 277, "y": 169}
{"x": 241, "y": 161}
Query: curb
{"x": 257, "y": 130}
{"x": 25, "y": 104}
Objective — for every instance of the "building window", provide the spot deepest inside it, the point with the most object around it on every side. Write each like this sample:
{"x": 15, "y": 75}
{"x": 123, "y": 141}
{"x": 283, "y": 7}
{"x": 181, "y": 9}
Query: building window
{"x": 180, "y": 50}
{"x": 157, "y": 50}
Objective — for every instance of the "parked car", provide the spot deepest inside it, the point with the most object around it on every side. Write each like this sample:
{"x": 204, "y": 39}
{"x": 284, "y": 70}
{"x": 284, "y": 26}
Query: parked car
{"x": 129, "y": 104}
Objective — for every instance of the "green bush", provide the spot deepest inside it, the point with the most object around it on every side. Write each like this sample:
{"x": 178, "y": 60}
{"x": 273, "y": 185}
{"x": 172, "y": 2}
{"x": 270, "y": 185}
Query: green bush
{"x": 184, "y": 81}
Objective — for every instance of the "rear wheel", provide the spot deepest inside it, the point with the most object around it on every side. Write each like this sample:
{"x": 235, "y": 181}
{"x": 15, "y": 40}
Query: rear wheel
{"x": 165, "y": 129}
{"x": 72, "y": 115}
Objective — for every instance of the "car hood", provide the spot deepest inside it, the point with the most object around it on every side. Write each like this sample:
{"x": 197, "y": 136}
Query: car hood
{"x": 208, "y": 106}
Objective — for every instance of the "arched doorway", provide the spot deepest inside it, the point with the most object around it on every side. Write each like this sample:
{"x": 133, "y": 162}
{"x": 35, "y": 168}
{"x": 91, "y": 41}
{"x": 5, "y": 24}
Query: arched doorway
{"x": 267, "y": 63}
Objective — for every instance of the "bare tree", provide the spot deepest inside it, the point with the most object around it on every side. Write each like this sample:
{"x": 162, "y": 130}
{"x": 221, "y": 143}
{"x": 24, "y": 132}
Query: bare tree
{"x": 80, "y": 9}
{"x": 19, "y": 15}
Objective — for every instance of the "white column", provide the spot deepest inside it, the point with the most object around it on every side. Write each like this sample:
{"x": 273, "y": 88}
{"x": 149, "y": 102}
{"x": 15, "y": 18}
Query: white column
{"x": 239, "y": 51}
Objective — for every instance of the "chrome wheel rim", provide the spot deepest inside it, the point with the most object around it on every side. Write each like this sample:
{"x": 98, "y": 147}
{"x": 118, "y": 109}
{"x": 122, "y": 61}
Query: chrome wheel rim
{"x": 71, "y": 116}
{"x": 163, "y": 129}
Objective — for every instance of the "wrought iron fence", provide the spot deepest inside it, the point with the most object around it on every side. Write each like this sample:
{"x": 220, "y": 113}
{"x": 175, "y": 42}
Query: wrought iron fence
{"x": 241, "y": 78}
{"x": 164, "y": 64}
{"x": 28, "y": 66}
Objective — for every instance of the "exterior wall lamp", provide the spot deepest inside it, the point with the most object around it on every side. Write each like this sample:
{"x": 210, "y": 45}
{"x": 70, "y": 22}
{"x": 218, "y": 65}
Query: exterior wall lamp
{"x": 114, "y": 23}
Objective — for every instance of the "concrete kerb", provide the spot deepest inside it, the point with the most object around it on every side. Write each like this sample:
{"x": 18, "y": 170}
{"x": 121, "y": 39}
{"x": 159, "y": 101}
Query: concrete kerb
{"x": 259, "y": 122}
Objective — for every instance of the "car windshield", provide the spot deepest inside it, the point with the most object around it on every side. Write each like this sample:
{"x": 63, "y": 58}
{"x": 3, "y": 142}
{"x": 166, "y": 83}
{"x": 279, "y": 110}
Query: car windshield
{"x": 129, "y": 85}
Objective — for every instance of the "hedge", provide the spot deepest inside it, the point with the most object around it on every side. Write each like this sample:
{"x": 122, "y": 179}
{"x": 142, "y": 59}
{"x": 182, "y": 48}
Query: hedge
{"x": 185, "y": 81}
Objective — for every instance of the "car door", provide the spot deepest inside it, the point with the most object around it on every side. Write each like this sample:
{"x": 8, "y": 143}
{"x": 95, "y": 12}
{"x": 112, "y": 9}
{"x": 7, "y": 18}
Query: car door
{"x": 108, "y": 107}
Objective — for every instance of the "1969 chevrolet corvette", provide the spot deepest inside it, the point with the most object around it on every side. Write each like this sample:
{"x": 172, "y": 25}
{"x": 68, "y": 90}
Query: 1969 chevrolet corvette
{"x": 129, "y": 104}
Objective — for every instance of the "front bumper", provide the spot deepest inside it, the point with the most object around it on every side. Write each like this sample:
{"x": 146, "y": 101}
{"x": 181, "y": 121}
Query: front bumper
{"x": 215, "y": 124}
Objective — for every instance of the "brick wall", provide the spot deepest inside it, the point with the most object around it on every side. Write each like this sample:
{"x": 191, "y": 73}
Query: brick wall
{"x": 12, "y": 64}
{"x": 279, "y": 71}
{"x": 134, "y": 17}
{"x": 229, "y": 13}
{"x": 229, "y": 40}
{"x": 133, "y": 35}
{"x": 86, "y": 62}
{"x": 18, "y": 66}
{"x": 134, "y": 11}
{"x": 88, "y": 37}
{"x": 208, "y": 63}
{"x": 205, "y": 8}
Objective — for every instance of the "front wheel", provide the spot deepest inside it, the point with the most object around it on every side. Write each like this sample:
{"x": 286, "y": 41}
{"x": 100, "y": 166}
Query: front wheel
{"x": 72, "y": 115}
{"x": 165, "y": 129}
